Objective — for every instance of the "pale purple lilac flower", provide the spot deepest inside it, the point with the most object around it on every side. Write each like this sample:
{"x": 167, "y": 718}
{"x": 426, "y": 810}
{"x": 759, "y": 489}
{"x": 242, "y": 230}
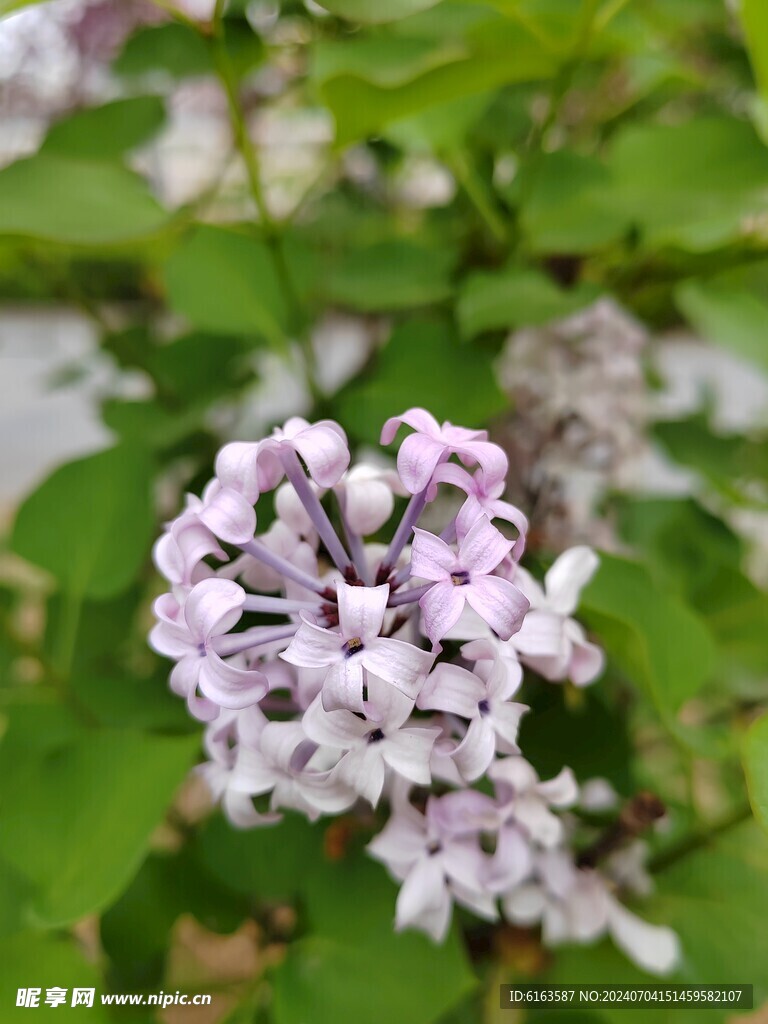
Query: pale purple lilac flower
{"x": 466, "y": 575}
{"x": 314, "y": 655}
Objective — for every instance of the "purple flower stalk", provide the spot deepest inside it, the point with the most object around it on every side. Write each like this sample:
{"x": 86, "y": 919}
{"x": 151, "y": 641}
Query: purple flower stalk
{"x": 351, "y": 638}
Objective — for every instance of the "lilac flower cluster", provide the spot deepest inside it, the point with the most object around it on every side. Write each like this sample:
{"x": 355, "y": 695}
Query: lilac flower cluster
{"x": 348, "y": 695}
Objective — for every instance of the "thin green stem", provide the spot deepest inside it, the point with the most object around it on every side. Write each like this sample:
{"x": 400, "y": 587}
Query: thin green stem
{"x": 178, "y": 15}
{"x": 474, "y": 187}
{"x": 271, "y": 228}
{"x": 699, "y": 838}
{"x": 608, "y": 13}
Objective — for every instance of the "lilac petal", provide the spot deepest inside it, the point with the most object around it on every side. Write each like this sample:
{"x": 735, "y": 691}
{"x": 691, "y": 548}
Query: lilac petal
{"x": 464, "y": 812}
{"x": 314, "y": 647}
{"x": 525, "y": 905}
{"x": 401, "y": 841}
{"x": 560, "y": 791}
{"x": 653, "y": 948}
{"x": 183, "y": 681}
{"x": 387, "y": 706}
{"x": 364, "y": 771}
{"x": 171, "y": 641}
{"x": 457, "y": 476}
{"x": 513, "y": 774}
{"x": 213, "y": 607}
{"x": 291, "y": 511}
{"x": 242, "y": 814}
{"x": 431, "y": 558}
{"x": 237, "y": 467}
{"x": 423, "y": 890}
{"x": 542, "y": 825}
{"x": 468, "y": 514}
{"x": 177, "y": 554}
{"x": 231, "y": 687}
{"x": 343, "y": 687}
{"x": 586, "y": 664}
{"x": 361, "y": 610}
{"x": 323, "y": 447}
{"x": 511, "y": 514}
{"x": 279, "y": 742}
{"x": 481, "y": 550}
{"x": 452, "y": 689}
{"x": 418, "y": 419}
{"x": 339, "y": 729}
{"x": 511, "y": 863}
{"x": 541, "y": 635}
{"x": 568, "y": 576}
{"x": 476, "y": 750}
{"x": 499, "y": 602}
{"x": 253, "y": 773}
{"x": 490, "y": 457}
{"x": 442, "y": 607}
{"x": 506, "y": 721}
{"x": 368, "y": 498}
{"x": 229, "y": 516}
{"x": 416, "y": 461}
{"x": 408, "y": 751}
{"x": 185, "y": 675}
{"x": 325, "y": 794}
{"x": 398, "y": 662}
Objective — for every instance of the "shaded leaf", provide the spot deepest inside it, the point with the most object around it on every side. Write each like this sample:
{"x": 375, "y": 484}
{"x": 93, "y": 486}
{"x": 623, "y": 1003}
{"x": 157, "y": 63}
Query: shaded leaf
{"x": 61, "y": 198}
{"x": 422, "y": 363}
{"x": 77, "y": 821}
{"x": 106, "y": 131}
{"x": 90, "y": 523}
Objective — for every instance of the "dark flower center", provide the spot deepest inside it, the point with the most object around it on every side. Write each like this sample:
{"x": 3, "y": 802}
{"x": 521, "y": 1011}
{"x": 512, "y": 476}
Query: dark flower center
{"x": 376, "y": 736}
{"x": 483, "y": 707}
{"x": 353, "y": 646}
{"x": 434, "y": 847}
{"x": 460, "y": 578}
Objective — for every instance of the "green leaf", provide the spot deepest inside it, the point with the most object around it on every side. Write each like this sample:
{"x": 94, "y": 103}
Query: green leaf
{"x": 754, "y": 18}
{"x": 61, "y": 198}
{"x": 351, "y": 949}
{"x": 90, "y": 523}
{"x": 135, "y": 931}
{"x": 755, "y": 755}
{"x": 692, "y": 184}
{"x": 48, "y": 961}
{"x": 132, "y": 703}
{"x": 655, "y": 639}
{"x": 514, "y": 297}
{"x": 496, "y": 53}
{"x": 226, "y": 281}
{"x": 422, "y": 364}
{"x": 174, "y": 48}
{"x": 373, "y": 11}
{"x": 390, "y": 276}
{"x": 77, "y": 821}
{"x": 730, "y": 309}
{"x": 386, "y": 61}
{"x": 565, "y": 209}
{"x": 106, "y": 131}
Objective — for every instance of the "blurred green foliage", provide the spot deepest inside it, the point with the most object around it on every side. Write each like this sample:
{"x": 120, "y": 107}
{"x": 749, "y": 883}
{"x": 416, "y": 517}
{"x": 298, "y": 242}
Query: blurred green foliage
{"x": 598, "y": 148}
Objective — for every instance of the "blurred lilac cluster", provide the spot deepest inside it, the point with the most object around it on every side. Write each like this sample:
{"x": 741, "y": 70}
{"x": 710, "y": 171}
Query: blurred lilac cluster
{"x": 316, "y": 657}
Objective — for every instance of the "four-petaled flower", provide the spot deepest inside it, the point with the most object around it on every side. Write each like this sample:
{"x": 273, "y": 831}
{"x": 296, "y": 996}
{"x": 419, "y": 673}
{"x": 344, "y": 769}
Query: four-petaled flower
{"x": 252, "y": 469}
{"x": 465, "y": 576}
{"x": 358, "y": 648}
{"x": 421, "y": 451}
{"x": 189, "y": 633}
{"x": 376, "y": 743}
